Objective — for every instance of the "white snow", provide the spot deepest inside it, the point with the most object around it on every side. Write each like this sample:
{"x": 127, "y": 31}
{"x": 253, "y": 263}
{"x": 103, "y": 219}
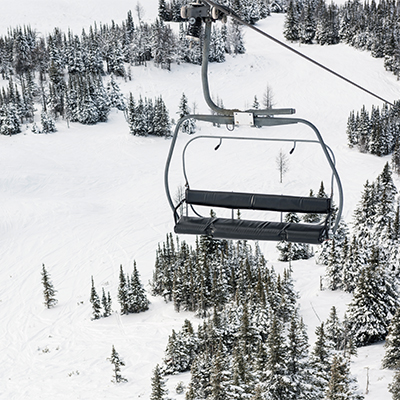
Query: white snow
{"x": 88, "y": 198}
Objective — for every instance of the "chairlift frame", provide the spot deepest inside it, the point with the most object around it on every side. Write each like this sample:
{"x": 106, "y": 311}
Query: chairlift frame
{"x": 224, "y": 228}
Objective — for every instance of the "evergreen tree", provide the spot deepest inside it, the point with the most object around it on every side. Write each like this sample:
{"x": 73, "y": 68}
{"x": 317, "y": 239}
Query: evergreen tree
{"x": 307, "y": 24}
{"x": 297, "y": 360}
{"x": 114, "y": 95}
{"x": 334, "y": 267}
{"x": 320, "y": 362}
{"x": 48, "y": 289}
{"x": 158, "y": 390}
{"x": 334, "y": 330}
{"x": 106, "y": 303}
{"x": 123, "y": 294}
{"x": 276, "y": 382}
{"x": 48, "y": 124}
{"x": 188, "y": 126}
{"x": 291, "y": 27}
{"x": 235, "y": 38}
{"x": 181, "y": 350}
{"x": 341, "y": 384}
{"x": 352, "y": 138}
{"x": 95, "y": 300}
{"x": 392, "y": 345}
{"x": 394, "y": 387}
{"x": 9, "y": 120}
{"x": 139, "y": 122}
{"x": 396, "y": 157}
{"x": 219, "y": 375}
{"x": 137, "y": 299}
{"x": 131, "y": 113}
{"x": 161, "y": 122}
{"x": 117, "y": 363}
{"x": 352, "y": 265}
{"x": 367, "y": 313}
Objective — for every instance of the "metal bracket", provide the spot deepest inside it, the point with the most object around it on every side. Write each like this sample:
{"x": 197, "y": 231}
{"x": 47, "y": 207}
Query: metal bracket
{"x": 243, "y": 118}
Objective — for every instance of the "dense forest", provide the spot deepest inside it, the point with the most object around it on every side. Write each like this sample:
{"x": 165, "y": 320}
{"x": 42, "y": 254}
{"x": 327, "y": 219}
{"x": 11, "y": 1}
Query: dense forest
{"x": 73, "y": 76}
{"x": 252, "y": 342}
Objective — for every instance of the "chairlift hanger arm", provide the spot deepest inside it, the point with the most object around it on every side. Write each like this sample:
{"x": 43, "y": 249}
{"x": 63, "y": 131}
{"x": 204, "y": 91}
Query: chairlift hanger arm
{"x": 246, "y": 229}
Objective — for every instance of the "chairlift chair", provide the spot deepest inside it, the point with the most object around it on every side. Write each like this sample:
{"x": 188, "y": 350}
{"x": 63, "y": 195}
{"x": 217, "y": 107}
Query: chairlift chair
{"x": 242, "y": 229}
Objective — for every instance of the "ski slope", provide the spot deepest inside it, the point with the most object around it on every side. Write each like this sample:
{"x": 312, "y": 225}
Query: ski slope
{"x": 87, "y": 199}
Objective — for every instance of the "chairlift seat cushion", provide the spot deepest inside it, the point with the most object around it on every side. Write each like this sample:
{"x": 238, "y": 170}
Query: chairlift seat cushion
{"x": 238, "y": 229}
{"x": 266, "y": 202}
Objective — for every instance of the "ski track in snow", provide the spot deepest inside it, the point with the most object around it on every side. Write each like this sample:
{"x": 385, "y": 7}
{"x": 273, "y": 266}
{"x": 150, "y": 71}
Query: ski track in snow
{"x": 86, "y": 199}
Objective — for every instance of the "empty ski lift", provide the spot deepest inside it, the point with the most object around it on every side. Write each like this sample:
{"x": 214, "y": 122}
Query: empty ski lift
{"x": 242, "y": 229}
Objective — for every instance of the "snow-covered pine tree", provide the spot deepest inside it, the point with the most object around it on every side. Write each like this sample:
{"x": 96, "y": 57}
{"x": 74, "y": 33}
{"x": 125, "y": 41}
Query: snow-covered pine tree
{"x": 385, "y": 210}
{"x": 320, "y": 363}
{"x": 115, "y": 96}
{"x": 9, "y": 120}
{"x": 139, "y": 122}
{"x": 164, "y": 12}
{"x": 117, "y": 363}
{"x": 48, "y": 289}
{"x": 334, "y": 330}
{"x": 334, "y": 267}
{"x": 48, "y": 124}
{"x": 364, "y": 131}
{"x": 217, "y": 46}
{"x": 276, "y": 379}
{"x": 137, "y": 299}
{"x": 219, "y": 375}
{"x": 374, "y": 302}
{"x": 240, "y": 384}
{"x": 181, "y": 350}
{"x": 235, "y": 38}
{"x": 291, "y": 27}
{"x": 394, "y": 387}
{"x": 161, "y": 121}
{"x": 95, "y": 300}
{"x": 106, "y": 303}
{"x": 158, "y": 389}
{"x": 131, "y": 113}
{"x": 391, "y": 358}
{"x": 189, "y": 125}
{"x": 123, "y": 295}
{"x": 298, "y": 370}
{"x": 352, "y": 139}
{"x": 352, "y": 265}
{"x": 163, "y": 44}
{"x": 307, "y": 23}
{"x": 341, "y": 384}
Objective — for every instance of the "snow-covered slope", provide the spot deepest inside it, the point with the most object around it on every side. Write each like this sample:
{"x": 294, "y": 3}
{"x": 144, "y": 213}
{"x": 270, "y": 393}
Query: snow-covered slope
{"x": 86, "y": 199}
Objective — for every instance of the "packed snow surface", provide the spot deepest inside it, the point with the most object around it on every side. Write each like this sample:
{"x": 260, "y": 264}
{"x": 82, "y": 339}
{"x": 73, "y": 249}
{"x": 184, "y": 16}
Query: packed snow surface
{"x": 87, "y": 199}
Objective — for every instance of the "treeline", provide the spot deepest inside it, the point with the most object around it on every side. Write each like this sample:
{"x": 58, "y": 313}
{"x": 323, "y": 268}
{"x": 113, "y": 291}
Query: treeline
{"x": 64, "y": 72}
{"x": 253, "y": 341}
{"x": 376, "y": 132}
{"x": 366, "y": 262}
{"x": 371, "y": 26}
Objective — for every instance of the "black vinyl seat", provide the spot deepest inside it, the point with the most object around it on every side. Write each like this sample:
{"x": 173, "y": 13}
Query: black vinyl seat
{"x": 238, "y": 229}
{"x": 265, "y": 202}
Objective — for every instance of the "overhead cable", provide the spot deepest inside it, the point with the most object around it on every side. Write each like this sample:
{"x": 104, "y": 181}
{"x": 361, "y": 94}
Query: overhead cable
{"x": 232, "y": 14}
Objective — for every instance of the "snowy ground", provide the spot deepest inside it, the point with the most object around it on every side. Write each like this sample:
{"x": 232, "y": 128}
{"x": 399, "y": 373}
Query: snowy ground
{"x": 86, "y": 199}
